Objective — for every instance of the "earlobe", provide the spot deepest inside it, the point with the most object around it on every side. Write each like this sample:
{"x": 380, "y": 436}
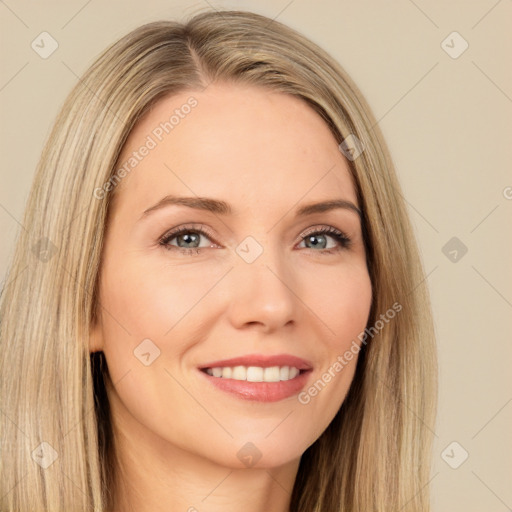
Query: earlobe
{"x": 95, "y": 338}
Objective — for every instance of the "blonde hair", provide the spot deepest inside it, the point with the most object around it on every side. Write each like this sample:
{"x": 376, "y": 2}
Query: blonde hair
{"x": 375, "y": 455}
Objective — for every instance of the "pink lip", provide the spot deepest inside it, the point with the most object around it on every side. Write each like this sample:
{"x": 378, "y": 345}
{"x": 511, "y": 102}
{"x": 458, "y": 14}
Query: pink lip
{"x": 261, "y": 391}
{"x": 262, "y": 360}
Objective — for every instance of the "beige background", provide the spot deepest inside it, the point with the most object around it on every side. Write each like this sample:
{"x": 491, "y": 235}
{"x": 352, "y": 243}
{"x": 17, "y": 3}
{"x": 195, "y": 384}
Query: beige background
{"x": 448, "y": 122}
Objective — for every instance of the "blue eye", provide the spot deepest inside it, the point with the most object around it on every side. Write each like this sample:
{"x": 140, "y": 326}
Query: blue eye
{"x": 319, "y": 238}
{"x": 188, "y": 240}
{"x": 189, "y": 237}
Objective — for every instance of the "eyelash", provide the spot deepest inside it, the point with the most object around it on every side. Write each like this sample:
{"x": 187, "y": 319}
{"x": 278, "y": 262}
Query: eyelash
{"x": 343, "y": 240}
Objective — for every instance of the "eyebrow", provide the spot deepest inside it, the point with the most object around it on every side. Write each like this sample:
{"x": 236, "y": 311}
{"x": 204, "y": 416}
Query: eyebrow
{"x": 222, "y": 208}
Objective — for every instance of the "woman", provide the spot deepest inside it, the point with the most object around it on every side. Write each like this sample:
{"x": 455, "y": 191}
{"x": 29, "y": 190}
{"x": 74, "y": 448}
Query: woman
{"x": 217, "y": 300}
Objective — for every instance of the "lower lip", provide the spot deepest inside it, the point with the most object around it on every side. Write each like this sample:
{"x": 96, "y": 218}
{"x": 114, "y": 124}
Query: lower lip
{"x": 260, "y": 391}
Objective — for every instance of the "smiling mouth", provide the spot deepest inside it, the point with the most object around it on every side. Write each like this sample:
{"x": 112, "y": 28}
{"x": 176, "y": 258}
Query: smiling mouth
{"x": 255, "y": 373}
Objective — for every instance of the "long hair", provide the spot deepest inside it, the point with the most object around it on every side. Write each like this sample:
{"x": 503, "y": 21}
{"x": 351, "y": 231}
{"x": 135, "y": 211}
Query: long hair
{"x": 58, "y": 451}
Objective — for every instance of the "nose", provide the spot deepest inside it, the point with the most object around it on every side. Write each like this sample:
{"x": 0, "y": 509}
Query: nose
{"x": 263, "y": 294}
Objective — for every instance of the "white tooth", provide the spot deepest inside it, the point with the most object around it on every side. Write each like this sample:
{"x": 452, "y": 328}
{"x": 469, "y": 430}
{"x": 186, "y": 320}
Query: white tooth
{"x": 239, "y": 373}
{"x": 284, "y": 372}
{"x": 293, "y": 372}
{"x": 271, "y": 374}
{"x": 254, "y": 374}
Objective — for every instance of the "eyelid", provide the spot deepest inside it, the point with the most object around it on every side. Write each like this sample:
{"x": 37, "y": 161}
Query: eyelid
{"x": 200, "y": 228}
{"x": 343, "y": 240}
{"x": 324, "y": 229}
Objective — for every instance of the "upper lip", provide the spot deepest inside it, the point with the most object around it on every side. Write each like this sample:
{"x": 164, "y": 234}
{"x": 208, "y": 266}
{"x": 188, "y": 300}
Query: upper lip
{"x": 262, "y": 360}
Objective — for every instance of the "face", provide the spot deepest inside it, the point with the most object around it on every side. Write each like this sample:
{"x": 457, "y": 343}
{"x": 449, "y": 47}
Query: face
{"x": 188, "y": 284}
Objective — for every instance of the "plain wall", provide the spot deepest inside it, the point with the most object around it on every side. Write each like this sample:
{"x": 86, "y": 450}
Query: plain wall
{"x": 448, "y": 123}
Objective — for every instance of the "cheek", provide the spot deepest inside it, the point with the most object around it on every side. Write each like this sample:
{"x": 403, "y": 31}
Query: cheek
{"x": 343, "y": 305}
{"x": 160, "y": 302}
{"x": 342, "y": 300}
{"x": 150, "y": 301}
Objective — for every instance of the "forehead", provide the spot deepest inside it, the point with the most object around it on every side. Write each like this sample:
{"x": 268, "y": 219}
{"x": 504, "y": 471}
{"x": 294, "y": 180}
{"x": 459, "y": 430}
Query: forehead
{"x": 237, "y": 142}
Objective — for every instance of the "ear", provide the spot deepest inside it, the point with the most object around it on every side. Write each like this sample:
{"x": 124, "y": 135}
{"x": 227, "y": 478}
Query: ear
{"x": 95, "y": 336}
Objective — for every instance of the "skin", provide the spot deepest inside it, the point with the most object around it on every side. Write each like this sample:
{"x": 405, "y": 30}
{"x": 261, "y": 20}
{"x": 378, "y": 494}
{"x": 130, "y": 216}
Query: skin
{"x": 266, "y": 154}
